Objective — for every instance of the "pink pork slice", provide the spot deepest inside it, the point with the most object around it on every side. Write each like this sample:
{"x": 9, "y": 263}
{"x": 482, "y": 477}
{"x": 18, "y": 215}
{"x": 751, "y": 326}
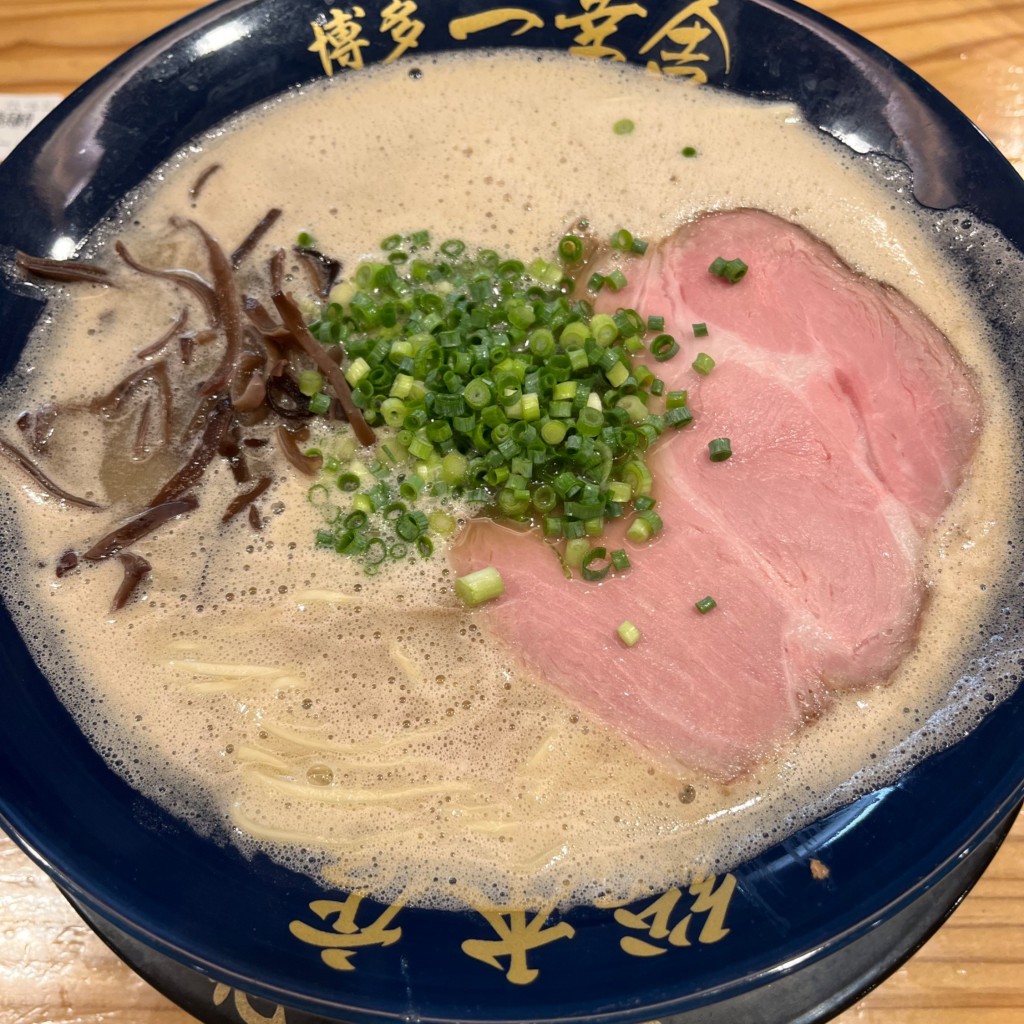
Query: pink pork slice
{"x": 852, "y": 422}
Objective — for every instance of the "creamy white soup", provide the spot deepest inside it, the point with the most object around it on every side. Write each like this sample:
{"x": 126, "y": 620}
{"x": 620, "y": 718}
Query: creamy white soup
{"x": 368, "y": 730}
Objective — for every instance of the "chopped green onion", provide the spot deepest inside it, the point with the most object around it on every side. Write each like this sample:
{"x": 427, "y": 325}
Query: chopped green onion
{"x": 705, "y": 604}
{"x": 442, "y": 523}
{"x": 616, "y": 280}
{"x": 411, "y": 525}
{"x": 376, "y": 551}
{"x": 628, "y": 633}
{"x": 622, "y": 240}
{"x": 570, "y": 248}
{"x": 477, "y": 393}
{"x": 576, "y": 550}
{"x": 664, "y": 347}
{"x": 355, "y": 520}
{"x": 703, "y": 364}
{"x": 700, "y": 330}
{"x": 689, "y": 150}
{"x": 311, "y": 382}
{"x": 599, "y": 556}
{"x": 553, "y": 432}
{"x": 411, "y": 486}
{"x": 480, "y": 586}
{"x": 319, "y": 404}
{"x": 644, "y": 526}
{"x": 638, "y": 476}
{"x": 719, "y": 449}
{"x": 729, "y": 270}
{"x": 604, "y": 329}
{"x": 680, "y": 416}
{"x": 623, "y": 126}
{"x": 453, "y": 248}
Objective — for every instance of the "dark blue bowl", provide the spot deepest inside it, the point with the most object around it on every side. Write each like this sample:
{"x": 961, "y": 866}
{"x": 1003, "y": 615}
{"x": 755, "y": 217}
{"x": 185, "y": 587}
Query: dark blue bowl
{"x": 205, "y": 906}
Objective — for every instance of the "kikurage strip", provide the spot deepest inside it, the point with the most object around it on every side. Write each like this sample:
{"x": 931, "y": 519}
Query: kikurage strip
{"x": 204, "y": 177}
{"x": 218, "y": 421}
{"x": 247, "y": 497}
{"x": 292, "y": 319}
{"x": 308, "y": 464}
{"x": 229, "y": 309}
{"x": 268, "y": 327}
{"x": 249, "y": 388}
{"x": 252, "y": 239}
{"x": 62, "y": 270}
{"x": 187, "y": 279}
{"x": 136, "y": 568}
{"x": 231, "y": 449}
{"x": 187, "y": 343}
{"x": 155, "y": 373}
{"x": 37, "y": 425}
{"x": 20, "y": 459}
{"x": 326, "y": 268}
{"x": 139, "y": 526}
{"x": 157, "y": 346}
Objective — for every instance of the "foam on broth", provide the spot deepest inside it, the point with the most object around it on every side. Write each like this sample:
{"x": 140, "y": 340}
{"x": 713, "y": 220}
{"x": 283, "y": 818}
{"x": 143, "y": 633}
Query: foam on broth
{"x": 368, "y": 730}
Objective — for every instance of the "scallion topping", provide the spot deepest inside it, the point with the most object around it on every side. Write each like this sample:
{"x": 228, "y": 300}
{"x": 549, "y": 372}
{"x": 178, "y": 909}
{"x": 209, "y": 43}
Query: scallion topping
{"x": 628, "y": 633}
{"x": 596, "y": 565}
{"x": 623, "y": 126}
{"x": 622, "y": 240}
{"x": 620, "y": 560}
{"x": 644, "y": 526}
{"x": 719, "y": 449}
{"x": 664, "y": 347}
{"x": 729, "y": 270}
{"x": 319, "y": 404}
{"x": 495, "y": 392}
{"x": 478, "y": 587}
{"x": 616, "y": 280}
{"x": 570, "y": 249}
{"x": 703, "y": 364}
{"x": 705, "y": 604}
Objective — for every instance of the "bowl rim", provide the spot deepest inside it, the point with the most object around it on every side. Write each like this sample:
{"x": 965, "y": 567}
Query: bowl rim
{"x": 59, "y": 862}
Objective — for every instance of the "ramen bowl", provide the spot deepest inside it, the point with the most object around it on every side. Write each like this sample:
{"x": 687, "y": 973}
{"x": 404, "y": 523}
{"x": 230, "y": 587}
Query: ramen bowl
{"x": 794, "y": 933}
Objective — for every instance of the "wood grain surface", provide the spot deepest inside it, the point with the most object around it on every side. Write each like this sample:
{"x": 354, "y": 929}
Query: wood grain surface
{"x": 53, "y": 969}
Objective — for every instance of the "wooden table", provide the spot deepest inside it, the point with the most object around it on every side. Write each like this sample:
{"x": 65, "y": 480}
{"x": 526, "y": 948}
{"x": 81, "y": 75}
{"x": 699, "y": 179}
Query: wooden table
{"x": 53, "y": 969}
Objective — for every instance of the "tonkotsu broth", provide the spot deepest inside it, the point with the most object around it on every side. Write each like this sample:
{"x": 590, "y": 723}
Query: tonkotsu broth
{"x": 367, "y": 729}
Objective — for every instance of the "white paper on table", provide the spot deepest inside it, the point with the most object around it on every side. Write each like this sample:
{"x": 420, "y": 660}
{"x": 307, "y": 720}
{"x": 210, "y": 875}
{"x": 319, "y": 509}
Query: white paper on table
{"x": 19, "y": 114}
